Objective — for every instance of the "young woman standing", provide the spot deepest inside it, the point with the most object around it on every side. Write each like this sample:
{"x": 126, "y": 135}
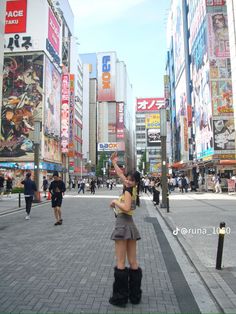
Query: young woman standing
{"x": 127, "y": 283}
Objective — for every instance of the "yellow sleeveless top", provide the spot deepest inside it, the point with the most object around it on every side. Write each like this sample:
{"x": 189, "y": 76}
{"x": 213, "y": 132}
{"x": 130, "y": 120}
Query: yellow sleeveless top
{"x": 133, "y": 202}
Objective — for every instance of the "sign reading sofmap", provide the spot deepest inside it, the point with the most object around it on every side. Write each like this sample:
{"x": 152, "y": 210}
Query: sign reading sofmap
{"x": 16, "y": 14}
{"x": 106, "y": 67}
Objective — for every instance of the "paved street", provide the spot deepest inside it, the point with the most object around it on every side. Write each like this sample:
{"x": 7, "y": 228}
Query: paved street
{"x": 69, "y": 268}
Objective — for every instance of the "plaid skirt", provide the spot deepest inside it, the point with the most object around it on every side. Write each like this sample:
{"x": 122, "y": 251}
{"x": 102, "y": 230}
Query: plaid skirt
{"x": 125, "y": 228}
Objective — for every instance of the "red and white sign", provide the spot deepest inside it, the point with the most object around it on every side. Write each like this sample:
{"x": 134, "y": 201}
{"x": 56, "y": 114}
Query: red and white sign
{"x": 16, "y": 14}
{"x": 65, "y": 97}
{"x": 120, "y": 120}
{"x": 53, "y": 31}
{"x": 149, "y": 104}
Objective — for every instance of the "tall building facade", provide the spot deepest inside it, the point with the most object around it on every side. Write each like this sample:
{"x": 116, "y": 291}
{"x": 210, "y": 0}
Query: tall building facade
{"x": 148, "y": 139}
{"x": 201, "y": 87}
{"x": 108, "y": 93}
{"x": 231, "y": 10}
{"x": 39, "y": 87}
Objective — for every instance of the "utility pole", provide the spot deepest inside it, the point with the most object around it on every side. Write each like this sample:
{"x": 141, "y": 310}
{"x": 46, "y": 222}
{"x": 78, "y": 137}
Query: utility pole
{"x": 164, "y": 183}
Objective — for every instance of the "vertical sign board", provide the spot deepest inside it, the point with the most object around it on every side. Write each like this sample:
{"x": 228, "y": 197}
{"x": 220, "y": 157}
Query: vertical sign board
{"x": 71, "y": 116}
{"x": 120, "y": 120}
{"x": 16, "y": 16}
{"x": 53, "y": 40}
{"x": 65, "y": 113}
{"x": 106, "y": 67}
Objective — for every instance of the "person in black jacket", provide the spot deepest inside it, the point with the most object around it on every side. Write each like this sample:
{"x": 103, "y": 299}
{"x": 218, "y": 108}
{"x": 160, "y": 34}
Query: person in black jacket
{"x": 57, "y": 189}
{"x": 29, "y": 189}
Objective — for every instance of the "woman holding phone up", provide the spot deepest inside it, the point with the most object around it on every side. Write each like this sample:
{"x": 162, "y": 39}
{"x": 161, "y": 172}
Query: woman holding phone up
{"x": 127, "y": 283}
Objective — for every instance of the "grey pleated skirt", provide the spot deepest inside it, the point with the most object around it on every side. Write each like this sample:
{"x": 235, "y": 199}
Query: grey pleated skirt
{"x": 125, "y": 228}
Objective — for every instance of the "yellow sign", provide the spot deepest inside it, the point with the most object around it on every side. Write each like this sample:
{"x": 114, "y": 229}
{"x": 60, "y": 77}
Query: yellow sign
{"x": 152, "y": 121}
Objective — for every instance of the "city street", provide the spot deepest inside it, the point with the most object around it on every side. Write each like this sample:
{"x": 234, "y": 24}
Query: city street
{"x": 69, "y": 268}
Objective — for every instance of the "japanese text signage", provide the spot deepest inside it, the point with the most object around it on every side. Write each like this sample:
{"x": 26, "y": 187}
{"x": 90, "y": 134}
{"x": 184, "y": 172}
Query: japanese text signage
{"x": 53, "y": 31}
{"x": 65, "y": 97}
{"x": 120, "y": 120}
{"x": 71, "y": 116}
{"x": 16, "y": 14}
{"x": 149, "y": 104}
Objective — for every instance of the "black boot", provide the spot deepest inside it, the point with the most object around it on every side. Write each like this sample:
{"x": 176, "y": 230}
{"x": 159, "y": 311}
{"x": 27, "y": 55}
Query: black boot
{"x": 120, "y": 287}
{"x": 135, "y": 292}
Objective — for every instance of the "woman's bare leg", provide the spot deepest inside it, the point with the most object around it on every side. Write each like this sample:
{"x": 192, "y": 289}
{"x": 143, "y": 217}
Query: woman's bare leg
{"x": 131, "y": 254}
{"x": 120, "y": 249}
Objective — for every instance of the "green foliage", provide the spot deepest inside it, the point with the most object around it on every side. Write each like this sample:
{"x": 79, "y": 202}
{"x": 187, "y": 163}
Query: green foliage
{"x": 18, "y": 190}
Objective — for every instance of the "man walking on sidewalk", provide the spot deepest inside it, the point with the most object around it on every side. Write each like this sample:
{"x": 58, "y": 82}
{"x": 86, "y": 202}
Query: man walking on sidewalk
{"x": 57, "y": 189}
{"x": 29, "y": 189}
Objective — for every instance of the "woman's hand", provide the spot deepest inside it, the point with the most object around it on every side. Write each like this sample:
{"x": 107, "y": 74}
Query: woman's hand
{"x": 113, "y": 204}
{"x": 114, "y": 158}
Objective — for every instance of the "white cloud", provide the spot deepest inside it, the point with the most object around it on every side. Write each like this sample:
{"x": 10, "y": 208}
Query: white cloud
{"x": 101, "y": 11}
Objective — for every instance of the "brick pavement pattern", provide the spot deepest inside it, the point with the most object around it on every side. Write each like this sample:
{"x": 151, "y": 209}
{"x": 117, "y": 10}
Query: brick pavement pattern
{"x": 69, "y": 268}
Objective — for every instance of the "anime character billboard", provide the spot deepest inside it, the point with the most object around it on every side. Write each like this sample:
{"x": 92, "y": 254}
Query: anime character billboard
{"x": 224, "y": 136}
{"x": 22, "y": 103}
{"x": 52, "y": 101}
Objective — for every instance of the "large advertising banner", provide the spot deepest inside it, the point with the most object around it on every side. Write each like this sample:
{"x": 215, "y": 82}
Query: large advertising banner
{"x": 71, "y": 150}
{"x": 106, "y": 68}
{"x": 201, "y": 98}
{"x": 52, "y": 149}
{"x": 178, "y": 37}
{"x": 22, "y": 102}
{"x": 222, "y": 101}
{"x": 52, "y": 100}
{"x": 182, "y": 114}
{"x": 152, "y": 124}
{"x": 65, "y": 98}
{"x": 224, "y": 136}
{"x": 16, "y": 16}
{"x": 120, "y": 132}
{"x": 149, "y": 104}
{"x": 218, "y": 36}
{"x": 53, "y": 40}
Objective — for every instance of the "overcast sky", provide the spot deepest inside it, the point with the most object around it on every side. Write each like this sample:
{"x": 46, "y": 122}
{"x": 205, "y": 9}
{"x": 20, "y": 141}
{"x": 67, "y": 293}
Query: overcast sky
{"x": 135, "y": 29}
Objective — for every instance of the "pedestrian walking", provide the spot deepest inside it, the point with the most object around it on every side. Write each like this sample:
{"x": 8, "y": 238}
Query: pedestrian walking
{"x": 45, "y": 186}
{"x": 81, "y": 186}
{"x": 217, "y": 181}
{"x": 92, "y": 186}
{"x": 29, "y": 190}
{"x": 127, "y": 283}
{"x": 2, "y": 179}
{"x": 57, "y": 189}
{"x": 9, "y": 185}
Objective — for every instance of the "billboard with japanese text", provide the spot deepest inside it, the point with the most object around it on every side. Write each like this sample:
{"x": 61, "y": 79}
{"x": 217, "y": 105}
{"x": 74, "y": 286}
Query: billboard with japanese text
{"x": 224, "y": 136}
{"x": 71, "y": 150}
{"x": 120, "y": 120}
{"x": 65, "y": 98}
{"x": 149, "y": 104}
{"x": 106, "y": 69}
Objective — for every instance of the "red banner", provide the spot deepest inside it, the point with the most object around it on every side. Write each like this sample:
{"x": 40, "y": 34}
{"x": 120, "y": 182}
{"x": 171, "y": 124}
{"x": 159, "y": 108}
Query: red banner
{"x": 150, "y": 104}
{"x": 53, "y": 31}
{"x": 16, "y": 14}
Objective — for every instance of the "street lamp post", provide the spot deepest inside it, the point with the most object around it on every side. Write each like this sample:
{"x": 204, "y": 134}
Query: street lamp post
{"x": 37, "y": 126}
{"x": 164, "y": 184}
